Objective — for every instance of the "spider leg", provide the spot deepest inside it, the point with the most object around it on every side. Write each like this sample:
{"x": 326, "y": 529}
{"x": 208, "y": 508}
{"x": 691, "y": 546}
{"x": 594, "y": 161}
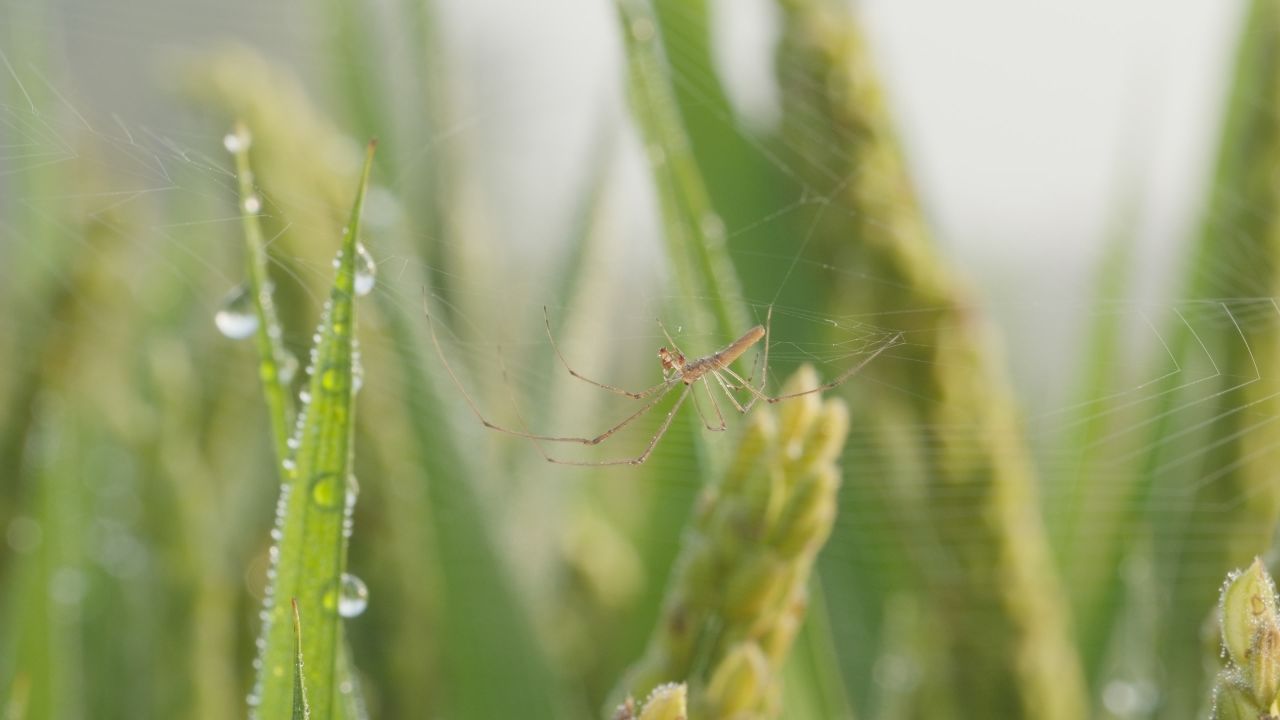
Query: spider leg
{"x": 648, "y": 450}
{"x": 755, "y": 365}
{"x": 715, "y": 405}
{"x": 728, "y": 392}
{"x": 839, "y": 379}
{"x": 534, "y": 436}
{"x": 757, "y": 393}
{"x": 670, "y": 339}
{"x": 620, "y": 391}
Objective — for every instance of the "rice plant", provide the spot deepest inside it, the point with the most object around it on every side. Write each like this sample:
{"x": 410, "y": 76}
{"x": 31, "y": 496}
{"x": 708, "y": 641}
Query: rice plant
{"x": 225, "y": 318}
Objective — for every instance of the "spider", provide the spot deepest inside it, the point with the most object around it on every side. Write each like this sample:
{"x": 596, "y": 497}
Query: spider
{"x": 677, "y": 372}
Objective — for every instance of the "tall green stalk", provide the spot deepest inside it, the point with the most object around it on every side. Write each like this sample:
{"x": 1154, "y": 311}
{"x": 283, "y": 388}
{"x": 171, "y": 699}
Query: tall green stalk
{"x": 958, "y": 474}
{"x": 1209, "y": 483}
{"x": 315, "y": 505}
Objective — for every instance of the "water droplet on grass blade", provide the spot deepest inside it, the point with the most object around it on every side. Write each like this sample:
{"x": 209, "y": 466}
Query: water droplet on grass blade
{"x": 348, "y": 596}
{"x": 252, "y": 204}
{"x": 353, "y": 596}
{"x": 236, "y": 318}
{"x": 288, "y": 367}
{"x": 325, "y": 492}
{"x": 366, "y": 271}
{"x": 237, "y": 141}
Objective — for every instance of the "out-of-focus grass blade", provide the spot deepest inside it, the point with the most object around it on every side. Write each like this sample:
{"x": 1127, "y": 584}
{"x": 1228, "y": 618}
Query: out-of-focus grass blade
{"x": 1089, "y": 535}
{"x": 585, "y": 224}
{"x": 710, "y": 297}
{"x": 15, "y": 704}
{"x": 486, "y": 636}
{"x": 707, "y": 298}
{"x": 741, "y": 174}
{"x": 44, "y": 619}
{"x": 301, "y": 710}
{"x": 311, "y": 550}
{"x": 1226, "y": 339}
{"x": 813, "y": 686}
{"x": 944, "y": 455}
{"x": 576, "y": 261}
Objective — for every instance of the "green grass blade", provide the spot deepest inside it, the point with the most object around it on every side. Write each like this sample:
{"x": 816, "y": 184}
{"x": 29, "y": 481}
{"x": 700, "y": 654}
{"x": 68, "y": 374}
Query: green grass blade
{"x": 939, "y": 411}
{"x": 710, "y": 297}
{"x": 1088, "y": 531}
{"x": 275, "y": 365}
{"x": 482, "y": 650}
{"x": 311, "y": 553}
{"x": 301, "y": 710}
{"x": 741, "y": 174}
{"x": 812, "y": 685}
{"x": 1235, "y": 258}
{"x": 272, "y": 356}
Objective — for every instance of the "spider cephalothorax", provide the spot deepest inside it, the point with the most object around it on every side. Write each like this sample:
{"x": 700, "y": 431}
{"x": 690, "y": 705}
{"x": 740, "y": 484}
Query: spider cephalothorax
{"x": 670, "y": 360}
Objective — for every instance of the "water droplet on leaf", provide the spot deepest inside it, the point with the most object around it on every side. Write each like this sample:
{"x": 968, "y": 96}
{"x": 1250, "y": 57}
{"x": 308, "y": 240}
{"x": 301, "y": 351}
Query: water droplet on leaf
{"x": 366, "y": 271}
{"x": 288, "y": 367}
{"x": 236, "y": 318}
{"x": 353, "y": 596}
{"x": 236, "y": 142}
{"x": 325, "y": 492}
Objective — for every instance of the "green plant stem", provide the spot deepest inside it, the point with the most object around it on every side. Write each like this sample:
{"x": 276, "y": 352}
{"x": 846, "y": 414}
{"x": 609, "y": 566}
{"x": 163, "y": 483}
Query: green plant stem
{"x": 960, "y": 474}
{"x": 313, "y": 543}
{"x": 271, "y": 352}
{"x": 693, "y": 231}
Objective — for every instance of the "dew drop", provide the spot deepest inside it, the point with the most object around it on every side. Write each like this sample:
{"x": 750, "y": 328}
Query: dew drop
{"x": 353, "y": 596}
{"x": 366, "y": 271}
{"x": 236, "y": 318}
{"x": 236, "y": 142}
{"x": 334, "y": 379}
{"x": 252, "y": 204}
{"x": 287, "y": 367}
{"x": 712, "y": 226}
{"x": 325, "y": 492}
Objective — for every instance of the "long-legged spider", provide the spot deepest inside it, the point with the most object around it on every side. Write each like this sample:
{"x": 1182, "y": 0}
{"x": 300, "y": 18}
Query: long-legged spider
{"x": 677, "y": 371}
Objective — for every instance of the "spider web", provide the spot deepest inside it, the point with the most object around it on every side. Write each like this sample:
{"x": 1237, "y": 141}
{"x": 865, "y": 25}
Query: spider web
{"x": 151, "y": 176}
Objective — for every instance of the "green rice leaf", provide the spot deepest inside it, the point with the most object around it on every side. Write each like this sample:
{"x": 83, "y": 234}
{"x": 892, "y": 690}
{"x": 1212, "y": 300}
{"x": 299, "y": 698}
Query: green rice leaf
{"x": 311, "y": 554}
{"x": 694, "y": 232}
{"x": 1239, "y": 337}
{"x": 272, "y": 356}
{"x": 301, "y": 711}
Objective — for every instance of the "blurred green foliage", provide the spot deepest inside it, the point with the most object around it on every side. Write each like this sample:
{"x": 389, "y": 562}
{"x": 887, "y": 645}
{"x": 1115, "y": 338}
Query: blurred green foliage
{"x": 139, "y": 457}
